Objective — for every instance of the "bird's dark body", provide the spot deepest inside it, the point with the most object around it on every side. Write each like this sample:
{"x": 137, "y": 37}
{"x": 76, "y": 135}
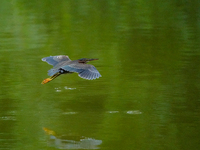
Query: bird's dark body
{"x": 63, "y": 65}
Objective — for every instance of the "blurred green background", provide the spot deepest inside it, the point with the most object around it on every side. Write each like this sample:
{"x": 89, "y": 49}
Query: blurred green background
{"x": 149, "y": 55}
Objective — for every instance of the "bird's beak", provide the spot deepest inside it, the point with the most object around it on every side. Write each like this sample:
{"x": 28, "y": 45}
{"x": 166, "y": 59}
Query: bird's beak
{"x": 93, "y": 59}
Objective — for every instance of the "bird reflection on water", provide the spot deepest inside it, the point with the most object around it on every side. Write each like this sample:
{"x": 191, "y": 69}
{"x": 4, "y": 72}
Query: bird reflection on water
{"x": 71, "y": 142}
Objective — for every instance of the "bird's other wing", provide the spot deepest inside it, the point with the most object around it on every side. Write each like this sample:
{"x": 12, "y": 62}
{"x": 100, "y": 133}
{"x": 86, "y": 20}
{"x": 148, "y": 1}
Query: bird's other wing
{"x": 54, "y": 60}
{"x": 85, "y": 71}
{"x": 91, "y": 73}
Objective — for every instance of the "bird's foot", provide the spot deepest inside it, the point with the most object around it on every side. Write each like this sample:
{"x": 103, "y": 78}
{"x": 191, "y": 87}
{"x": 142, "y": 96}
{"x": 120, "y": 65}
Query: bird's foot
{"x": 46, "y": 80}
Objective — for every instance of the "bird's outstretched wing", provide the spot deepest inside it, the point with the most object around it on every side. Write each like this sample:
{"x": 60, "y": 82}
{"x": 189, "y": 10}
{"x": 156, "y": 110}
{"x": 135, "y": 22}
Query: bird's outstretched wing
{"x": 85, "y": 71}
{"x": 54, "y": 60}
{"x": 52, "y": 71}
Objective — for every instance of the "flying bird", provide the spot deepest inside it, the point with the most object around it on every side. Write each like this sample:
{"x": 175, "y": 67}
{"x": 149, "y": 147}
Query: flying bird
{"x": 63, "y": 65}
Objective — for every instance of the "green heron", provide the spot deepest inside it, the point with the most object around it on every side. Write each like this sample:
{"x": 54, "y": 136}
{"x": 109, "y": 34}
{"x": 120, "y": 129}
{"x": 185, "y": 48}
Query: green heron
{"x": 63, "y": 65}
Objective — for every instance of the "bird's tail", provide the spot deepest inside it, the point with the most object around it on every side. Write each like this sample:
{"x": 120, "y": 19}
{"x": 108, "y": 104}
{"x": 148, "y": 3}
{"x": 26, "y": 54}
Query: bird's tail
{"x": 51, "y": 78}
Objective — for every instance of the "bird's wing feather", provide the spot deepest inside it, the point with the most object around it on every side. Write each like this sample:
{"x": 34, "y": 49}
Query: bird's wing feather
{"x": 52, "y": 71}
{"x": 85, "y": 71}
{"x": 54, "y": 60}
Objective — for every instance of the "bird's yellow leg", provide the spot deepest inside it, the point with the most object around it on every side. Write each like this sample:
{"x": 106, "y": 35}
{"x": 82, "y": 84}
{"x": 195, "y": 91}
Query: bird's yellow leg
{"x": 51, "y": 78}
{"x": 49, "y": 132}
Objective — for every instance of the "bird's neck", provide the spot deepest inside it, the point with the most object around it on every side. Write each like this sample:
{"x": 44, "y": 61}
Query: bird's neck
{"x": 82, "y": 62}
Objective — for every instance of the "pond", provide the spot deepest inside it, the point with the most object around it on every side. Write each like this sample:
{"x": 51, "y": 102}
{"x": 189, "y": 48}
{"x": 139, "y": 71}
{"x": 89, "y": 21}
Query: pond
{"x": 148, "y": 95}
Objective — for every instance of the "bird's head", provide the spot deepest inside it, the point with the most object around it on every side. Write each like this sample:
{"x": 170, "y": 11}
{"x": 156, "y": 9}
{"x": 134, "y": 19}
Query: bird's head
{"x": 85, "y": 60}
